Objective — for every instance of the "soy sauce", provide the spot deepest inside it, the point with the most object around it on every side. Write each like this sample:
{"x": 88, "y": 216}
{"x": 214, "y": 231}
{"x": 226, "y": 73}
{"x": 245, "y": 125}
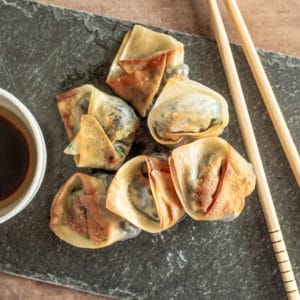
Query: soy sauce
{"x": 14, "y": 158}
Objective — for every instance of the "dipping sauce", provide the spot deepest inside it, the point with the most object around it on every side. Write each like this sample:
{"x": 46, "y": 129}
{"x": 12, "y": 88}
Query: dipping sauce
{"x": 17, "y": 155}
{"x": 14, "y": 156}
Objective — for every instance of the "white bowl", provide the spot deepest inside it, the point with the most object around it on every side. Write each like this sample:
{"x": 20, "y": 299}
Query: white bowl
{"x": 10, "y": 102}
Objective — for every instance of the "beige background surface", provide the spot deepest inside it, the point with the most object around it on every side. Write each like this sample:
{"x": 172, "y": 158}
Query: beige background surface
{"x": 273, "y": 24}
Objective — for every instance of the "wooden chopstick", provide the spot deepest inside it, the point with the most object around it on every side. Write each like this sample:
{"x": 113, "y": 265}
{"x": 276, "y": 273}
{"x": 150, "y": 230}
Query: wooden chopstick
{"x": 263, "y": 189}
{"x": 265, "y": 88}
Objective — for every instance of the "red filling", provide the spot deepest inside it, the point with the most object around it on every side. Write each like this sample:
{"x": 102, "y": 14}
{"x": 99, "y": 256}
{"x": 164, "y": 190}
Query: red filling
{"x": 220, "y": 185}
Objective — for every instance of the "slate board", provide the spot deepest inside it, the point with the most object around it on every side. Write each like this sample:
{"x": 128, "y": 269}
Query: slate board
{"x": 45, "y": 51}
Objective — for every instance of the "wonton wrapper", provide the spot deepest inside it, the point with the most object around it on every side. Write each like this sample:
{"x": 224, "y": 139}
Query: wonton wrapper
{"x": 142, "y": 192}
{"x": 187, "y": 110}
{"x": 211, "y": 179}
{"x": 138, "y": 68}
{"x": 100, "y": 127}
{"x": 79, "y": 216}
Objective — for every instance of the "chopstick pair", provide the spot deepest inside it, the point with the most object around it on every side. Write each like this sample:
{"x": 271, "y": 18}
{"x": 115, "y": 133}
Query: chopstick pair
{"x": 283, "y": 133}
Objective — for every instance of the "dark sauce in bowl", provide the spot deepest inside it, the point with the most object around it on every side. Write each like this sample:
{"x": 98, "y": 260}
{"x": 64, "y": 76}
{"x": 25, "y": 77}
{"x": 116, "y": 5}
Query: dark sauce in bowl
{"x": 14, "y": 157}
{"x": 17, "y": 158}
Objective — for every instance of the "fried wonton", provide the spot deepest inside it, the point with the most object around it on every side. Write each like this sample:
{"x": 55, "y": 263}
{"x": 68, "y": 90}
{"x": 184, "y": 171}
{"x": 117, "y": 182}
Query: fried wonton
{"x": 142, "y": 192}
{"x": 211, "y": 179}
{"x": 185, "y": 111}
{"x": 79, "y": 216}
{"x": 140, "y": 64}
{"x": 100, "y": 127}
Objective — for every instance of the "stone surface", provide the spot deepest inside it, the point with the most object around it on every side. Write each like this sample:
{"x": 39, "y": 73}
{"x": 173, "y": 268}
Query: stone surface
{"x": 45, "y": 51}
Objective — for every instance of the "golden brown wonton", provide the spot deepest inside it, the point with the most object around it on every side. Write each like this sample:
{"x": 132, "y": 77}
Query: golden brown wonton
{"x": 211, "y": 179}
{"x": 138, "y": 68}
{"x": 142, "y": 192}
{"x": 100, "y": 127}
{"x": 185, "y": 111}
{"x": 79, "y": 216}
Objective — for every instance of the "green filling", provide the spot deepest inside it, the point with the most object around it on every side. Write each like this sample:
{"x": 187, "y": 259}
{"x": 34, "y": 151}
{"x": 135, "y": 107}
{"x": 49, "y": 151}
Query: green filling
{"x": 187, "y": 116}
{"x": 141, "y": 196}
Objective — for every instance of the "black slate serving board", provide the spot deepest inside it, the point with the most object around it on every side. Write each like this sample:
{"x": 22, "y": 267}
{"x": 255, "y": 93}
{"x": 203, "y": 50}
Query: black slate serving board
{"x": 45, "y": 51}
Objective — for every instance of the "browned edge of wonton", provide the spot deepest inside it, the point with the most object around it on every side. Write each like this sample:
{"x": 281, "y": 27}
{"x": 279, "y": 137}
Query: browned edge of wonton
{"x": 219, "y": 194}
{"x": 185, "y": 126}
{"x": 66, "y": 103}
{"x": 87, "y": 223}
{"x": 168, "y": 207}
{"x": 141, "y": 82}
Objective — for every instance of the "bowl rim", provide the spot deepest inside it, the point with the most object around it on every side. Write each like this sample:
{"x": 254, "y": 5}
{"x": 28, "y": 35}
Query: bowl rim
{"x": 41, "y": 155}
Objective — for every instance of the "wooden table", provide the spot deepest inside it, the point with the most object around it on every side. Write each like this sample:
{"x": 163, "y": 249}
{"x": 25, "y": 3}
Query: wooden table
{"x": 273, "y": 24}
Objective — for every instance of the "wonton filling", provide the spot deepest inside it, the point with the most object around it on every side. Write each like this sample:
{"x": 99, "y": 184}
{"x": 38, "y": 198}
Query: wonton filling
{"x": 140, "y": 194}
{"x": 209, "y": 183}
{"x": 81, "y": 220}
{"x": 76, "y": 214}
{"x": 190, "y": 114}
